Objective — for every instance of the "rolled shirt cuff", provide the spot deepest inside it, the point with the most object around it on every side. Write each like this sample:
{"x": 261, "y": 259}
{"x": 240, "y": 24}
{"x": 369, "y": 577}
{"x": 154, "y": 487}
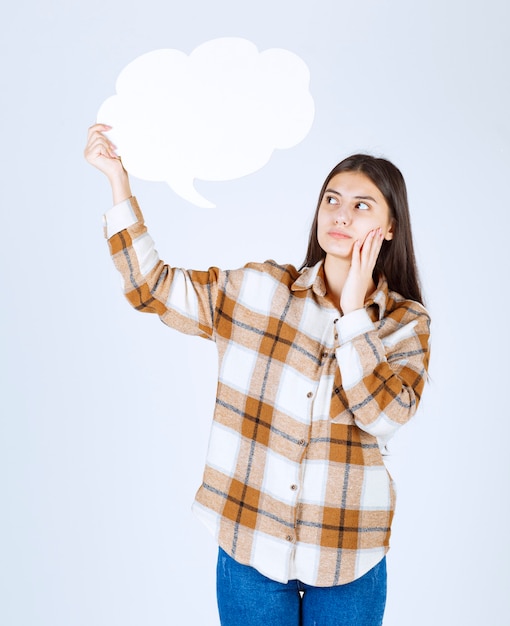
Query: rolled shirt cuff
{"x": 120, "y": 217}
{"x": 352, "y": 325}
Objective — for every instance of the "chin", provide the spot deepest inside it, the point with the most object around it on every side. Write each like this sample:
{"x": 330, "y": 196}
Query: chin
{"x": 344, "y": 257}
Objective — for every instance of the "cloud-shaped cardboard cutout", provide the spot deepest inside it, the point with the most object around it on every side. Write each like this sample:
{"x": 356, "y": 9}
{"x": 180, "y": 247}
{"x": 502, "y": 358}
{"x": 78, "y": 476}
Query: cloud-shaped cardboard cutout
{"x": 215, "y": 115}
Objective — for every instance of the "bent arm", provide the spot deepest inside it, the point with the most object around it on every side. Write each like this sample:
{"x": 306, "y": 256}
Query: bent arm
{"x": 383, "y": 374}
{"x": 183, "y": 299}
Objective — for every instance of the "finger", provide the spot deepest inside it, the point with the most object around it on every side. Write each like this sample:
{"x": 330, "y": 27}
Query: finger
{"x": 376, "y": 247}
{"x": 99, "y": 144}
{"x": 98, "y": 127}
{"x": 366, "y": 246}
{"x": 371, "y": 248}
{"x": 96, "y": 149}
{"x": 97, "y": 134}
{"x": 96, "y": 152}
{"x": 107, "y": 145}
{"x": 356, "y": 255}
{"x": 368, "y": 238}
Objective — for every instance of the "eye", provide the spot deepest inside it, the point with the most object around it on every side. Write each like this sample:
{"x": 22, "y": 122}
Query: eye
{"x": 362, "y": 206}
{"x": 331, "y": 200}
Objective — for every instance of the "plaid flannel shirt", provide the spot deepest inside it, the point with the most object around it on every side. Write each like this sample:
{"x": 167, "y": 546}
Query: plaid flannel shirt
{"x": 294, "y": 483}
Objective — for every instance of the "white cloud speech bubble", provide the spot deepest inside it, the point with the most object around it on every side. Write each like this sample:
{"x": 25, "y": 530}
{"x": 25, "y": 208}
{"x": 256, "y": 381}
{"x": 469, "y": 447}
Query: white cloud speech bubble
{"x": 215, "y": 115}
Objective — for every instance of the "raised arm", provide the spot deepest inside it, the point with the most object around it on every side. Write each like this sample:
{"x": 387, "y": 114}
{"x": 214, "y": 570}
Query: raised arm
{"x": 183, "y": 299}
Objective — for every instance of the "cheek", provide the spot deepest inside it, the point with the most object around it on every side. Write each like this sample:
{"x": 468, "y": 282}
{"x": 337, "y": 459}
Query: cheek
{"x": 382, "y": 223}
{"x": 322, "y": 225}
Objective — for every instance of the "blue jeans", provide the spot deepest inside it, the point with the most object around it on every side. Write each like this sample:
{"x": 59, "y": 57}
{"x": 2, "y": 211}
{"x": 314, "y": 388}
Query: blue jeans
{"x": 247, "y": 598}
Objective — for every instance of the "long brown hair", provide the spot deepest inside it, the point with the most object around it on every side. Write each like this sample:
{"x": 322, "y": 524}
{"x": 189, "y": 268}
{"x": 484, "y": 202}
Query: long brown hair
{"x": 396, "y": 261}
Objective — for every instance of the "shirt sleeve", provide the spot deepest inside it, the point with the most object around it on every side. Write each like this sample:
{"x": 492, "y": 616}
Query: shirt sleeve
{"x": 183, "y": 299}
{"x": 120, "y": 217}
{"x": 383, "y": 376}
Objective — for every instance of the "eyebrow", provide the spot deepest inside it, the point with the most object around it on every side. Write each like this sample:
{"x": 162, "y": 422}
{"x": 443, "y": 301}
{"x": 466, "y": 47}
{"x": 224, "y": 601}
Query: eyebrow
{"x": 337, "y": 193}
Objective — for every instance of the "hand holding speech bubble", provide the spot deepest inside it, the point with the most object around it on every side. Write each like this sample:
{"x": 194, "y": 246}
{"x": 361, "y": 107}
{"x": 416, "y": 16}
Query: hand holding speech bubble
{"x": 215, "y": 115}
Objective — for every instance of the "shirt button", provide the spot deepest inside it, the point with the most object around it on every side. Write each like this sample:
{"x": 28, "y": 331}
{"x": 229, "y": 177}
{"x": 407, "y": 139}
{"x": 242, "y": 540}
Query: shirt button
{"x": 301, "y": 442}
{"x": 289, "y": 538}
{"x": 336, "y": 335}
{"x": 293, "y": 487}
{"x": 309, "y": 394}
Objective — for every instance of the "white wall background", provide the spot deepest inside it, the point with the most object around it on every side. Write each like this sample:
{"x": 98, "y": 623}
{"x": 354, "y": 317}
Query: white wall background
{"x": 105, "y": 413}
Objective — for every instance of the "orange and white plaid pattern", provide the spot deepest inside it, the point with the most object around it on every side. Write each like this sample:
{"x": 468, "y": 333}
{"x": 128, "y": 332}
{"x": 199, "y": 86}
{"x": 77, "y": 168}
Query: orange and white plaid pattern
{"x": 294, "y": 483}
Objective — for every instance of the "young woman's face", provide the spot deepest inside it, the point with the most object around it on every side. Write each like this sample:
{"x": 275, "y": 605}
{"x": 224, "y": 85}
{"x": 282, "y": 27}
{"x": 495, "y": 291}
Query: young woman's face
{"x": 350, "y": 208}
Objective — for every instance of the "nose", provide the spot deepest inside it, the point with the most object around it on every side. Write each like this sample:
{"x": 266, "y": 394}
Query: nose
{"x": 342, "y": 214}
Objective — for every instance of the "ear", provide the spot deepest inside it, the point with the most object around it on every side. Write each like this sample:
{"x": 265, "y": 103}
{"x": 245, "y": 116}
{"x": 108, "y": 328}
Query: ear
{"x": 390, "y": 232}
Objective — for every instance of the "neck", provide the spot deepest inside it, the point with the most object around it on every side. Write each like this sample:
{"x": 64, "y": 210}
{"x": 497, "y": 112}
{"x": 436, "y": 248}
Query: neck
{"x": 335, "y": 272}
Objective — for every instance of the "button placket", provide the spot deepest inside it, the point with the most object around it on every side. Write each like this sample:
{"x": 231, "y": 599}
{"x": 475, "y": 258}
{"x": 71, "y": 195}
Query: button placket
{"x": 335, "y": 334}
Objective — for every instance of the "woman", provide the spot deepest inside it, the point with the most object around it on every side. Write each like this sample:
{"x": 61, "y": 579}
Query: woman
{"x": 318, "y": 368}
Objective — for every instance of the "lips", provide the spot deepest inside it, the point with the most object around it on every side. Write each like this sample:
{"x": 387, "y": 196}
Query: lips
{"x": 338, "y": 234}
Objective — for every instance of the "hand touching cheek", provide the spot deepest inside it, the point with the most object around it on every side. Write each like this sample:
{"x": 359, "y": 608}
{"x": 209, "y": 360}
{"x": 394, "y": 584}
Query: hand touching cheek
{"x": 359, "y": 278}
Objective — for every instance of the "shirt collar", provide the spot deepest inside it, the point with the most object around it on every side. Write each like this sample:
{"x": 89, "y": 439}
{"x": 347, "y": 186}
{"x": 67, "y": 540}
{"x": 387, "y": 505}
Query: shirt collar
{"x": 313, "y": 278}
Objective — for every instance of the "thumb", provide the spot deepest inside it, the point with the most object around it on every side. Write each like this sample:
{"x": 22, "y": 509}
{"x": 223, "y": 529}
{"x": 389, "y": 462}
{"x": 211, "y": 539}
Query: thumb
{"x": 356, "y": 254}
